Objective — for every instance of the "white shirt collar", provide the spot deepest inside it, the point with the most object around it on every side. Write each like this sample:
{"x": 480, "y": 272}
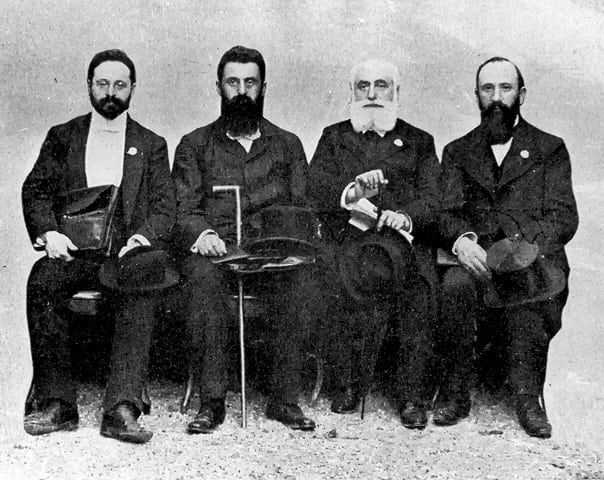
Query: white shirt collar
{"x": 251, "y": 137}
{"x": 118, "y": 124}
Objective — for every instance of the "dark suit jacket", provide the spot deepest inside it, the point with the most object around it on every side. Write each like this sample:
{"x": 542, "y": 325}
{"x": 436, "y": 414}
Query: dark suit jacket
{"x": 408, "y": 159}
{"x": 147, "y": 191}
{"x": 273, "y": 172}
{"x": 533, "y": 197}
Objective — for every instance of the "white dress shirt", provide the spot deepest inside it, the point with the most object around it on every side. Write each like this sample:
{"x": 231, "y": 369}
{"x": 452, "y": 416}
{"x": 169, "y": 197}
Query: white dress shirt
{"x": 105, "y": 150}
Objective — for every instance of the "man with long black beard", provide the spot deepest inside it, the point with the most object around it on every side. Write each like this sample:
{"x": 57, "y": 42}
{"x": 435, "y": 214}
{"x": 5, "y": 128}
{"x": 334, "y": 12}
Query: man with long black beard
{"x": 103, "y": 147}
{"x": 268, "y": 163}
{"x": 375, "y": 160}
{"x": 503, "y": 180}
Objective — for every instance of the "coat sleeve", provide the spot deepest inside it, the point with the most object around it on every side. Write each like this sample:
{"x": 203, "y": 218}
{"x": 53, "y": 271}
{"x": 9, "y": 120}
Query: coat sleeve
{"x": 424, "y": 207}
{"x": 41, "y": 188}
{"x": 161, "y": 214}
{"x": 326, "y": 181}
{"x": 452, "y": 222}
{"x": 189, "y": 177}
{"x": 558, "y": 220}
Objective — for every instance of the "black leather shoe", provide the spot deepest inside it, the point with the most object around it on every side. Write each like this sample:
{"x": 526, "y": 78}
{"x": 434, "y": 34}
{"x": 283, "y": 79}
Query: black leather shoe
{"x": 121, "y": 424}
{"x": 452, "y": 412}
{"x": 413, "y": 415}
{"x": 58, "y": 415}
{"x": 532, "y": 417}
{"x": 290, "y": 415}
{"x": 346, "y": 401}
{"x": 210, "y": 415}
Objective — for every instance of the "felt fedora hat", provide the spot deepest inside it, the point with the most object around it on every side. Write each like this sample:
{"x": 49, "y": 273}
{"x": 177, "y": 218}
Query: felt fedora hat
{"x": 287, "y": 230}
{"x": 140, "y": 270}
{"x": 377, "y": 263}
{"x": 520, "y": 274}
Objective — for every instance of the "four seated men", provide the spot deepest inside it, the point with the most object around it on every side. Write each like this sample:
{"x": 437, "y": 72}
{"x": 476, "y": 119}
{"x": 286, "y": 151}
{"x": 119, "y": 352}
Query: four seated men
{"x": 373, "y": 184}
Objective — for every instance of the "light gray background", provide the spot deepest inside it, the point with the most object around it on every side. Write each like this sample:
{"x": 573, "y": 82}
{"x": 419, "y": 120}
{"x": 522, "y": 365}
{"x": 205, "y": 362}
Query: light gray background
{"x": 309, "y": 47}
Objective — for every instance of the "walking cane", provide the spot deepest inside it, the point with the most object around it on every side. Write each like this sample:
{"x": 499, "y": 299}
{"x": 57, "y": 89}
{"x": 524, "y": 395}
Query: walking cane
{"x": 237, "y": 190}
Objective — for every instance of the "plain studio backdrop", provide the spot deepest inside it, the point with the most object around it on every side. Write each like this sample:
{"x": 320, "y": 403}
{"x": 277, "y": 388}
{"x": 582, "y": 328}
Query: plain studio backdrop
{"x": 309, "y": 47}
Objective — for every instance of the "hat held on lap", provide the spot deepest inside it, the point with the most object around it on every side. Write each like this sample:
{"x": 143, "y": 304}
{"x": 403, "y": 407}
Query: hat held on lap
{"x": 142, "y": 269}
{"x": 520, "y": 275}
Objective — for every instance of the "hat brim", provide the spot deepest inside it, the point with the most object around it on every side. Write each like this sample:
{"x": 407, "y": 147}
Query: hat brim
{"x": 288, "y": 245}
{"x": 555, "y": 283}
{"x": 108, "y": 278}
{"x": 396, "y": 249}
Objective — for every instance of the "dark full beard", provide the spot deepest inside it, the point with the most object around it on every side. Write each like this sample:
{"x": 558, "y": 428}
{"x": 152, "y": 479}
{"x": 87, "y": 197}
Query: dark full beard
{"x": 241, "y": 114}
{"x": 497, "y": 121}
{"x": 110, "y": 107}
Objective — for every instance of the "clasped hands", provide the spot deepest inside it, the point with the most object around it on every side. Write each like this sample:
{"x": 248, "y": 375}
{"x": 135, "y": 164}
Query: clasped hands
{"x": 366, "y": 185}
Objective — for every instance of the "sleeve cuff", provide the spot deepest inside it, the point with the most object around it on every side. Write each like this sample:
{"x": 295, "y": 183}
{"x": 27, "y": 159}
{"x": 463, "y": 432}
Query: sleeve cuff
{"x": 140, "y": 239}
{"x": 343, "y": 203}
{"x": 471, "y": 235}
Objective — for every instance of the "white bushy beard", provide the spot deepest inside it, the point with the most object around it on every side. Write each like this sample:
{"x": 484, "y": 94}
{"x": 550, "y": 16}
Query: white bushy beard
{"x": 373, "y": 118}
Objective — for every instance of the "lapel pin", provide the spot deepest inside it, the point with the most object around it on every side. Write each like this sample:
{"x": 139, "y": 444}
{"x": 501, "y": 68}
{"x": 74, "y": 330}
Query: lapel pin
{"x": 132, "y": 151}
{"x": 524, "y": 154}
{"x": 398, "y": 142}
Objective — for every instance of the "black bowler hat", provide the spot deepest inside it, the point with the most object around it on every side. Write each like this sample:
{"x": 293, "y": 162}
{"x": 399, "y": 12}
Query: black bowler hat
{"x": 287, "y": 230}
{"x": 377, "y": 263}
{"x": 140, "y": 270}
{"x": 520, "y": 274}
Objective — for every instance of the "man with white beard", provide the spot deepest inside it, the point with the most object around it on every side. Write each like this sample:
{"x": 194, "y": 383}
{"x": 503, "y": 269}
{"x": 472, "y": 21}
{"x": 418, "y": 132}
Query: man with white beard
{"x": 384, "y": 258}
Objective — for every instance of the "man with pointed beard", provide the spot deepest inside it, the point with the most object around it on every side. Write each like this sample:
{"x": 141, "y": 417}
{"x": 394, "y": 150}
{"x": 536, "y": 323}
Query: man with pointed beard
{"x": 380, "y": 161}
{"x": 503, "y": 180}
{"x": 268, "y": 163}
{"x": 99, "y": 148}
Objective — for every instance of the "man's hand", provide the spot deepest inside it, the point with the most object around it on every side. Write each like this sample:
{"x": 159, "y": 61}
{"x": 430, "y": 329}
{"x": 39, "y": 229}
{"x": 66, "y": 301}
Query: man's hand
{"x": 473, "y": 257}
{"x": 57, "y": 246}
{"x": 210, "y": 245}
{"x": 366, "y": 184}
{"x": 395, "y": 220}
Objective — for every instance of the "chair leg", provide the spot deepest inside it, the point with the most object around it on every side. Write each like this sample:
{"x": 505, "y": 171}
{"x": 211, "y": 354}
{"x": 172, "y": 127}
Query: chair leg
{"x": 319, "y": 380}
{"x": 242, "y": 351}
{"x": 186, "y": 399}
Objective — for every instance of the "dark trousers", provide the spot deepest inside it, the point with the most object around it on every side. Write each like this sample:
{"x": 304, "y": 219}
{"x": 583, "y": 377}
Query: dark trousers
{"x": 294, "y": 305}
{"x": 50, "y": 283}
{"x": 360, "y": 330}
{"x": 526, "y": 332}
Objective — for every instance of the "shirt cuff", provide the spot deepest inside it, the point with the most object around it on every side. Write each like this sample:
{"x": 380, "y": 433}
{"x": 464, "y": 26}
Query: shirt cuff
{"x": 471, "y": 235}
{"x": 202, "y": 235}
{"x": 343, "y": 203}
{"x": 140, "y": 239}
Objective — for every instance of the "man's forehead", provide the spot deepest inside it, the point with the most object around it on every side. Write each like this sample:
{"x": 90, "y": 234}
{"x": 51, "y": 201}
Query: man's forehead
{"x": 113, "y": 69}
{"x": 370, "y": 73}
{"x": 241, "y": 70}
{"x": 498, "y": 72}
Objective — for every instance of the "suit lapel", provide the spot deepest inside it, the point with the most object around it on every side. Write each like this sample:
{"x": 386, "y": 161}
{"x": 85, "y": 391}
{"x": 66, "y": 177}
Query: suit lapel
{"x": 133, "y": 168}
{"x": 353, "y": 144}
{"x": 521, "y": 156}
{"x": 478, "y": 163}
{"x": 393, "y": 143}
{"x": 77, "y": 153}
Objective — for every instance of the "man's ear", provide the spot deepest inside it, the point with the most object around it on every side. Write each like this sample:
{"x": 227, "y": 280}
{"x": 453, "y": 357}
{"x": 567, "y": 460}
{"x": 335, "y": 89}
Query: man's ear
{"x": 218, "y": 88}
{"x": 263, "y": 88}
{"x": 89, "y": 84}
{"x": 521, "y": 95}
{"x": 132, "y": 89}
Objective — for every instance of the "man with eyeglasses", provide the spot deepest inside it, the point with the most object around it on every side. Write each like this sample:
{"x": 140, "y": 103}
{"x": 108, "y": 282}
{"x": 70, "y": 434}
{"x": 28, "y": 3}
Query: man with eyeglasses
{"x": 102, "y": 147}
{"x": 268, "y": 163}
